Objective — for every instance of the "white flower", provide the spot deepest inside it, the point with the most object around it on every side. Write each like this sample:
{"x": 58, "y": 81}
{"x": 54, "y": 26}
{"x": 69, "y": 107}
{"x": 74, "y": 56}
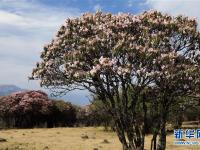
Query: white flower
{"x": 163, "y": 66}
{"x": 73, "y": 65}
{"x": 126, "y": 70}
{"x": 186, "y": 86}
{"x": 150, "y": 50}
{"x": 93, "y": 72}
{"x": 114, "y": 61}
{"x": 76, "y": 75}
{"x": 172, "y": 55}
{"x": 163, "y": 55}
{"x": 109, "y": 63}
{"x": 76, "y": 63}
{"x": 101, "y": 60}
{"x": 190, "y": 78}
{"x": 166, "y": 22}
{"x": 168, "y": 76}
{"x": 138, "y": 72}
{"x": 154, "y": 61}
{"x": 143, "y": 70}
{"x": 149, "y": 74}
{"x": 49, "y": 63}
{"x": 98, "y": 67}
{"x": 119, "y": 69}
{"x": 95, "y": 69}
{"x": 105, "y": 61}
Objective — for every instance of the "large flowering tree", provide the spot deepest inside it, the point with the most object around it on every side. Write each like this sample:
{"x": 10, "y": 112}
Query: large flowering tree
{"x": 111, "y": 55}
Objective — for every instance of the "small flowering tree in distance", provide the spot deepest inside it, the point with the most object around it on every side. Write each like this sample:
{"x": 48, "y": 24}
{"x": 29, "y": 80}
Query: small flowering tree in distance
{"x": 111, "y": 55}
{"x": 21, "y": 104}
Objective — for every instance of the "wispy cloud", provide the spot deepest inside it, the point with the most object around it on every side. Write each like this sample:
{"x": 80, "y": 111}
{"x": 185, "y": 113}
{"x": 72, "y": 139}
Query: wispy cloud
{"x": 25, "y": 26}
{"x": 130, "y": 3}
{"x": 97, "y": 7}
{"x": 176, "y": 7}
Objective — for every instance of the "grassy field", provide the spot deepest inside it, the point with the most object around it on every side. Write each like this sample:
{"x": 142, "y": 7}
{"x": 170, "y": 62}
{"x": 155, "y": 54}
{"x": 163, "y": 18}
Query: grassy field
{"x": 70, "y": 139}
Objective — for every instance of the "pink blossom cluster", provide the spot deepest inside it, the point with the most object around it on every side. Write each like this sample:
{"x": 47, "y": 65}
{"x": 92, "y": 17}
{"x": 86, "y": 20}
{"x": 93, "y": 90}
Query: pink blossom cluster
{"x": 25, "y": 102}
{"x": 132, "y": 46}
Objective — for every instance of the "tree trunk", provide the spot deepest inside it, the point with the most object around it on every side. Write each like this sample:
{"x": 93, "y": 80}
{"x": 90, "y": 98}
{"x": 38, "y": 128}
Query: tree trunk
{"x": 162, "y": 134}
{"x": 154, "y": 141}
{"x": 132, "y": 141}
{"x": 156, "y": 130}
{"x": 121, "y": 135}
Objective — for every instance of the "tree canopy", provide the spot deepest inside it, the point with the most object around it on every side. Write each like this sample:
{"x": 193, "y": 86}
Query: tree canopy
{"x": 111, "y": 55}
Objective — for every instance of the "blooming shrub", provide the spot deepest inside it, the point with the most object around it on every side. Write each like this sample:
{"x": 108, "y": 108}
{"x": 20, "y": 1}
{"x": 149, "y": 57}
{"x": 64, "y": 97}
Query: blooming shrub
{"x": 26, "y": 108}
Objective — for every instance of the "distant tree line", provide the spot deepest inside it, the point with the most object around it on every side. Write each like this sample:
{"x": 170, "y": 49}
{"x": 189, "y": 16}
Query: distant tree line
{"x": 34, "y": 109}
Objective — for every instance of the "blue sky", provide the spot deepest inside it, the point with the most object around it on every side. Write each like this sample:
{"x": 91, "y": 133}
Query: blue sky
{"x": 26, "y": 25}
{"x": 113, "y": 6}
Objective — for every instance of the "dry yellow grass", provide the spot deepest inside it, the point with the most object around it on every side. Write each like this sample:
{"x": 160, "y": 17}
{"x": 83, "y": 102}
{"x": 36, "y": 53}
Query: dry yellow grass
{"x": 70, "y": 139}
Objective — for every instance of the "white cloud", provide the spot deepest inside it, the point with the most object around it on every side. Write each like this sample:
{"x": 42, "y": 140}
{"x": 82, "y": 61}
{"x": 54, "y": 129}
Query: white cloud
{"x": 32, "y": 20}
{"x": 30, "y": 14}
{"x": 176, "y": 7}
{"x": 97, "y": 7}
{"x": 16, "y": 73}
{"x": 130, "y": 3}
{"x": 10, "y": 18}
{"x": 25, "y": 26}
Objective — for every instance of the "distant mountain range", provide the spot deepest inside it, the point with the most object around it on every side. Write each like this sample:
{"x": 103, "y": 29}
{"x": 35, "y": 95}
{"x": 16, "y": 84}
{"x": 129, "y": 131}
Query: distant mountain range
{"x": 8, "y": 89}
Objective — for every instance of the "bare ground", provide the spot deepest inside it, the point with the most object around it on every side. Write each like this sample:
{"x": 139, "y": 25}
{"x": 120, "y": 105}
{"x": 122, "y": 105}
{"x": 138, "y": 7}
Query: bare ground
{"x": 87, "y": 138}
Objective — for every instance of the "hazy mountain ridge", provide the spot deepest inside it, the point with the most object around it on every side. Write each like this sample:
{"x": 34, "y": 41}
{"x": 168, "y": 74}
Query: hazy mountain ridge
{"x": 8, "y": 89}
